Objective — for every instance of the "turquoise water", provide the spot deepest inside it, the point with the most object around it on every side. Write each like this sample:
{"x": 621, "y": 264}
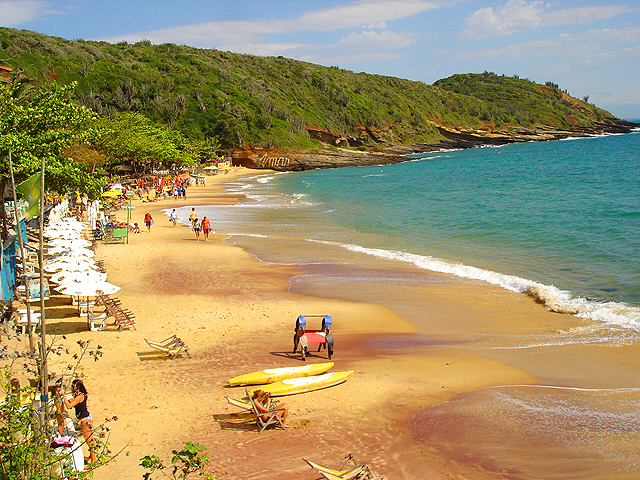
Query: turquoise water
{"x": 557, "y": 220}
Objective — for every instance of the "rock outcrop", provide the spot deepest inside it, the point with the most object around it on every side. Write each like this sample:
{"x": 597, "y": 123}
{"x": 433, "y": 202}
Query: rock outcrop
{"x": 337, "y": 153}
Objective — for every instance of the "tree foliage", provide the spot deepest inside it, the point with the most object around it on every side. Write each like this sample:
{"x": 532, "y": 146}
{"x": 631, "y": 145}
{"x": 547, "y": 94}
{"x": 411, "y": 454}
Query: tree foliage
{"x": 37, "y": 123}
{"x": 134, "y": 138}
{"x": 269, "y": 101}
{"x": 184, "y": 463}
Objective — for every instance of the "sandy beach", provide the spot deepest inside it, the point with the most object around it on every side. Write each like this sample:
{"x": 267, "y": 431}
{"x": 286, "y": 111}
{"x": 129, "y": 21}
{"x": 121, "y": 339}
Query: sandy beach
{"x": 237, "y": 315}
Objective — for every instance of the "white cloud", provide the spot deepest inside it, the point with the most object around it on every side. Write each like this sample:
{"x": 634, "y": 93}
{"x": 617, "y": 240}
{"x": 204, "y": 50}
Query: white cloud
{"x": 575, "y": 16}
{"x": 356, "y": 47}
{"x": 361, "y": 13}
{"x": 513, "y": 17}
{"x": 15, "y": 12}
{"x": 604, "y": 43}
{"x": 519, "y": 15}
{"x": 370, "y": 14}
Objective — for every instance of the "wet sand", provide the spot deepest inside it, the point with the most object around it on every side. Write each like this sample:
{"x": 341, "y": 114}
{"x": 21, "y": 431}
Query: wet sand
{"x": 237, "y": 315}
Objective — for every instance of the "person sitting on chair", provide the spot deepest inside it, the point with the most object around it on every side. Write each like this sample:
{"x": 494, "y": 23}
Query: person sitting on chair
{"x": 263, "y": 402}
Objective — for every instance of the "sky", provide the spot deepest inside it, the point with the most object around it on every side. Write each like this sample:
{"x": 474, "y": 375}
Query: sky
{"x": 589, "y": 48}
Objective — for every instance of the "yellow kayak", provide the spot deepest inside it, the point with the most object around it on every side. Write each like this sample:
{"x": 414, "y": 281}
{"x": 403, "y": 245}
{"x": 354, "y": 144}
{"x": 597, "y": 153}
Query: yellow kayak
{"x": 291, "y": 386}
{"x": 272, "y": 375}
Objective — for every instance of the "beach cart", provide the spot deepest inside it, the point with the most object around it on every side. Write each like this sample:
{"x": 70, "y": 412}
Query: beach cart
{"x": 303, "y": 336}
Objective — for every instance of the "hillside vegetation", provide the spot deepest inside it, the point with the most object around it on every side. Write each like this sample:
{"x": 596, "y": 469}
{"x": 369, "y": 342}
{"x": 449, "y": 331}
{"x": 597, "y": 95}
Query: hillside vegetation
{"x": 273, "y": 101}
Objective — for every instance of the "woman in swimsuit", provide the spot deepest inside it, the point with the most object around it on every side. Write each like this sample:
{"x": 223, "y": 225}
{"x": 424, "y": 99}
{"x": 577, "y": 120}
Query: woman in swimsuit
{"x": 263, "y": 403}
{"x": 79, "y": 402}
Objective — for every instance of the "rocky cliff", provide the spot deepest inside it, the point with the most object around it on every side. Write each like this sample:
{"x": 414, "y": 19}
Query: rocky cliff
{"x": 338, "y": 153}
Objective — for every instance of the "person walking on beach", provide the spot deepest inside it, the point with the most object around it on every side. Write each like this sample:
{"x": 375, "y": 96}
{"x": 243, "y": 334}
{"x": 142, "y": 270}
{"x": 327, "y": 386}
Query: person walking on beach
{"x": 147, "y": 221}
{"x": 196, "y": 229}
{"x": 192, "y": 214}
{"x": 205, "y": 228}
{"x": 79, "y": 403}
{"x": 174, "y": 217}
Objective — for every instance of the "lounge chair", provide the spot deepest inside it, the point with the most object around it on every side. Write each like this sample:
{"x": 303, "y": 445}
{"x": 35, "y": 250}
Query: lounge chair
{"x": 166, "y": 343}
{"x": 356, "y": 472}
{"x": 272, "y": 417}
{"x": 172, "y": 349}
{"x": 113, "y": 308}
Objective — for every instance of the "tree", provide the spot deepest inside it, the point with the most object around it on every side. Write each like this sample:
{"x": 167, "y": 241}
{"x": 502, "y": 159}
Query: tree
{"x": 134, "y": 138}
{"x": 27, "y": 426}
{"x": 208, "y": 148}
{"x": 40, "y": 122}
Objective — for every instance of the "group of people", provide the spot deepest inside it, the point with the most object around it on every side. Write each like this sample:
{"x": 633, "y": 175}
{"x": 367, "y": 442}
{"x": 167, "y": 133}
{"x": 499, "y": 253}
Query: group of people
{"x": 203, "y": 225}
{"x": 197, "y": 225}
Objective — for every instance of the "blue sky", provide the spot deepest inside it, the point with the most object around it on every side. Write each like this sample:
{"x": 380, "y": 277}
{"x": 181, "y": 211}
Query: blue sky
{"x": 587, "y": 47}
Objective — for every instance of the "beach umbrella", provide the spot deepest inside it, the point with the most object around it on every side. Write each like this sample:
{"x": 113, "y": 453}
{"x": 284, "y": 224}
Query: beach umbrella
{"x": 70, "y": 243}
{"x": 57, "y": 267}
{"x": 68, "y": 276}
{"x": 70, "y": 222}
{"x": 68, "y": 234}
{"x": 87, "y": 288}
{"x": 69, "y": 258}
{"x": 79, "y": 252}
{"x": 70, "y": 252}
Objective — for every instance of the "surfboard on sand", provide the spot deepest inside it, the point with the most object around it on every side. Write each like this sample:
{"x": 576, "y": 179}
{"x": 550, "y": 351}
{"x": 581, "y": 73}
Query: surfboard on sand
{"x": 272, "y": 375}
{"x": 292, "y": 386}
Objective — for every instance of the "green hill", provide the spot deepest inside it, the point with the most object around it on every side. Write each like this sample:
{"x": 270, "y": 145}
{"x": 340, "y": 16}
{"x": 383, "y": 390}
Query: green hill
{"x": 270, "y": 102}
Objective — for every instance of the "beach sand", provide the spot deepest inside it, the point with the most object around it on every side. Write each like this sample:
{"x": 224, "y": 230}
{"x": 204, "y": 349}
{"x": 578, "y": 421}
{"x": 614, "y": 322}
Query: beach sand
{"x": 237, "y": 315}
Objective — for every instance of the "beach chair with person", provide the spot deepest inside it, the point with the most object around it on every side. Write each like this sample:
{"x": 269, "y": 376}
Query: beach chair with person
{"x": 269, "y": 414}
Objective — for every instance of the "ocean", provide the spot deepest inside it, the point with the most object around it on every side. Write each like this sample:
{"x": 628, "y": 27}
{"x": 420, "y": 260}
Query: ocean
{"x": 556, "y": 221}
{"x": 559, "y": 221}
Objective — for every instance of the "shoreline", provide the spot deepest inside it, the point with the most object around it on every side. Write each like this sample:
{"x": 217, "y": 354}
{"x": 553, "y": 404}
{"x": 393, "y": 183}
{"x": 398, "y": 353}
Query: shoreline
{"x": 237, "y": 315}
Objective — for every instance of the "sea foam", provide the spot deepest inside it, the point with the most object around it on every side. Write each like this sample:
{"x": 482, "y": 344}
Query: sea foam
{"x": 553, "y": 298}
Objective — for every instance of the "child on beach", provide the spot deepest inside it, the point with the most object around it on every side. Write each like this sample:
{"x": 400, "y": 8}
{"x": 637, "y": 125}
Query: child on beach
{"x": 174, "y": 217}
{"x": 196, "y": 228}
